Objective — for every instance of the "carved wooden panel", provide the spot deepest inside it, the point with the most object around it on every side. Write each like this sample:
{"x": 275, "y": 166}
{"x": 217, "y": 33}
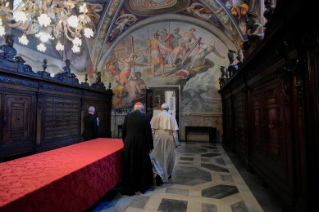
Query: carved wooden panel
{"x": 257, "y": 116}
{"x": 240, "y": 109}
{"x": 61, "y": 117}
{"x": 18, "y": 120}
{"x": 273, "y": 108}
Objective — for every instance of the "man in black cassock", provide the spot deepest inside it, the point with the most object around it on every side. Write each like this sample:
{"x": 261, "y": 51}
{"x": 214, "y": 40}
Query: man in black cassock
{"x": 137, "y": 174}
{"x": 90, "y": 125}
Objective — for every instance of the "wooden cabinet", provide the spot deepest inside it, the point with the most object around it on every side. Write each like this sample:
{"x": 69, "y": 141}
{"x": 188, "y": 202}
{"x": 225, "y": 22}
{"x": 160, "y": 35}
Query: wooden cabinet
{"x": 40, "y": 113}
{"x": 270, "y": 112}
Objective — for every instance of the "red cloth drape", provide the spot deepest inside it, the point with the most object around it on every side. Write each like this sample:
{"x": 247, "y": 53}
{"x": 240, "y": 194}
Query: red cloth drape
{"x": 71, "y": 178}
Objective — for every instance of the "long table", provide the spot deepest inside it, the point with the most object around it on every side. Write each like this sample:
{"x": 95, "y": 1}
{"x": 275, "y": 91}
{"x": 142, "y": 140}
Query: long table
{"x": 71, "y": 178}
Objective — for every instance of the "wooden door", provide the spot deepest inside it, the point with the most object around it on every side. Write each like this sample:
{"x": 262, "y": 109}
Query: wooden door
{"x": 17, "y": 129}
{"x": 149, "y": 103}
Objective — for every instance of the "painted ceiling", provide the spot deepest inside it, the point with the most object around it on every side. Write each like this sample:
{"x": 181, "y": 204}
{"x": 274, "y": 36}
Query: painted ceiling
{"x": 112, "y": 18}
{"x": 117, "y": 16}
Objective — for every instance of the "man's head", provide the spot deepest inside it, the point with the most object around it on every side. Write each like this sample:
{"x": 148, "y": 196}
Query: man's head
{"x": 177, "y": 30}
{"x": 91, "y": 110}
{"x": 138, "y": 75}
{"x": 165, "y": 106}
{"x": 138, "y": 106}
{"x": 192, "y": 29}
{"x": 163, "y": 30}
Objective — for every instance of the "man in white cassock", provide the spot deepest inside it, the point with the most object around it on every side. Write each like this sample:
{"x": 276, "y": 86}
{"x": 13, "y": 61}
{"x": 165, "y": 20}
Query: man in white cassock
{"x": 165, "y": 137}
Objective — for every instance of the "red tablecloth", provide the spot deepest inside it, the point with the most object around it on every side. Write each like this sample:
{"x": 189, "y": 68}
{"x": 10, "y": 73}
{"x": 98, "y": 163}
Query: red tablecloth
{"x": 71, "y": 178}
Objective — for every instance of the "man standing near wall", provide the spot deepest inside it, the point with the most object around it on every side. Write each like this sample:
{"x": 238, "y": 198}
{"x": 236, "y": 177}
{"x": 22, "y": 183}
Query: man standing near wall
{"x": 90, "y": 125}
{"x": 164, "y": 128}
{"x": 137, "y": 173}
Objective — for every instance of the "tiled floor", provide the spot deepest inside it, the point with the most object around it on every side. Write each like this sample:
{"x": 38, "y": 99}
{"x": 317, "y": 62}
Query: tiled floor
{"x": 204, "y": 180}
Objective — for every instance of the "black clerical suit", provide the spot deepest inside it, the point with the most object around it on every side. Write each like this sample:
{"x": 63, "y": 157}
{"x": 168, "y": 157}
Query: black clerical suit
{"x": 90, "y": 127}
{"x": 137, "y": 174}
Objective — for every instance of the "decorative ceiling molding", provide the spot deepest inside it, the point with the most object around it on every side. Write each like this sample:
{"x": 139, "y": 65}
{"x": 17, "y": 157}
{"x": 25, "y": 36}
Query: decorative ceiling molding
{"x": 106, "y": 23}
{"x": 166, "y": 18}
{"x": 219, "y": 9}
{"x": 155, "y": 7}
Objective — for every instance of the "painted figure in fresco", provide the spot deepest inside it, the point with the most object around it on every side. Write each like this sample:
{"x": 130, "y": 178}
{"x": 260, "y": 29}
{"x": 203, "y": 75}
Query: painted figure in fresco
{"x": 173, "y": 58}
{"x": 187, "y": 39}
{"x": 123, "y": 22}
{"x": 156, "y": 57}
{"x": 237, "y": 8}
{"x": 166, "y": 39}
{"x": 199, "y": 58}
{"x": 127, "y": 65}
{"x": 110, "y": 68}
{"x": 118, "y": 94}
{"x": 131, "y": 89}
{"x": 175, "y": 40}
{"x": 200, "y": 11}
{"x": 140, "y": 82}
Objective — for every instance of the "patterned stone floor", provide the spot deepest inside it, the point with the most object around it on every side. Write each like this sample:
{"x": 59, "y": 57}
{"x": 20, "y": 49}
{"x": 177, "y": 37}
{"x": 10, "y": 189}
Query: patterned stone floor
{"x": 204, "y": 180}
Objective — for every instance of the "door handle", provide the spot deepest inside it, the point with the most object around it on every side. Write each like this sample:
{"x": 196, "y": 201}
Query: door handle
{"x": 271, "y": 124}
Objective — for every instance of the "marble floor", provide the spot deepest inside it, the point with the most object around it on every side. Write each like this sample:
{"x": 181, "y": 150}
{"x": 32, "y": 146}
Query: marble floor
{"x": 204, "y": 180}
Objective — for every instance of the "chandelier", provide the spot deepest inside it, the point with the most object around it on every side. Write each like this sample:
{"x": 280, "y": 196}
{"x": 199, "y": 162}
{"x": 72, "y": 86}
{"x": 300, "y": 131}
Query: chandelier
{"x": 54, "y": 17}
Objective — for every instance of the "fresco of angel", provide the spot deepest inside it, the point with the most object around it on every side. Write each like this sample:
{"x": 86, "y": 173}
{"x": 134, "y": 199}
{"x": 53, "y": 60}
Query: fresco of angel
{"x": 200, "y": 11}
{"x": 121, "y": 24}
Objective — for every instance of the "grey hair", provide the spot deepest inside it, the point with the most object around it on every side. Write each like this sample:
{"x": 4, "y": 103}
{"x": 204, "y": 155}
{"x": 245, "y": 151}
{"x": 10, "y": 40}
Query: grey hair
{"x": 138, "y": 107}
{"x": 91, "y": 109}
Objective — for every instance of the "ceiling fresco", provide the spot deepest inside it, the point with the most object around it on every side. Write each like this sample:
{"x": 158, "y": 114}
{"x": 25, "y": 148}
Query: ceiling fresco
{"x": 110, "y": 19}
{"x": 119, "y": 15}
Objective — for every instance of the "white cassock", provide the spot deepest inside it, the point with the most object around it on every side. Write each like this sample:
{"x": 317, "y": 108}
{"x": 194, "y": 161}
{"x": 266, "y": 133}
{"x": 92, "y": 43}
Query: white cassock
{"x": 165, "y": 138}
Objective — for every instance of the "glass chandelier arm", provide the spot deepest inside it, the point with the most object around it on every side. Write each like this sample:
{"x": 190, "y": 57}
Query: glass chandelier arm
{"x": 73, "y": 32}
{"x": 66, "y": 34}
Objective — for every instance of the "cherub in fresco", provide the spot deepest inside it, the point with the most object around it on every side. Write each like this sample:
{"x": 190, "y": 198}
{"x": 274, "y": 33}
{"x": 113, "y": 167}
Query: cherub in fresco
{"x": 200, "y": 11}
{"x": 121, "y": 24}
{"x": 237, "y": 8}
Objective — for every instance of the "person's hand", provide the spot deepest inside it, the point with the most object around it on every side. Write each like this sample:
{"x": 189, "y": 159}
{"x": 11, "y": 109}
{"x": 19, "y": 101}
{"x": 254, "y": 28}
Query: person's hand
{"x": 150, "y": 151}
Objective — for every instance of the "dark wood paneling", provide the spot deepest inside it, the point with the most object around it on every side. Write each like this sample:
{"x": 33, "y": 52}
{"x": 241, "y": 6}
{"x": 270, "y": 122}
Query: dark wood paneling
{"x": 282, "y": 103}
{"x": 40, "y": 113}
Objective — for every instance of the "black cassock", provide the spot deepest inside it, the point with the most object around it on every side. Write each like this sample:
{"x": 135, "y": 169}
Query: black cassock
{"x": 137, "y": 174}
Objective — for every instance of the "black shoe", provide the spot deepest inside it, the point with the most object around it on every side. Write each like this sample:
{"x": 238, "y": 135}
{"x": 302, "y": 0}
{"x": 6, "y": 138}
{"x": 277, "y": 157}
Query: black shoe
{"x": 170, "y": 177}
{"x": 159, "y": 180}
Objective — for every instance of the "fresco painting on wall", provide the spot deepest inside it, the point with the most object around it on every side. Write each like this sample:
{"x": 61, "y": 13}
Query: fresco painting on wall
{"x": 238, "y": 9}
{"x": 200, "y": 11}
{"x": 167, "y": 53}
